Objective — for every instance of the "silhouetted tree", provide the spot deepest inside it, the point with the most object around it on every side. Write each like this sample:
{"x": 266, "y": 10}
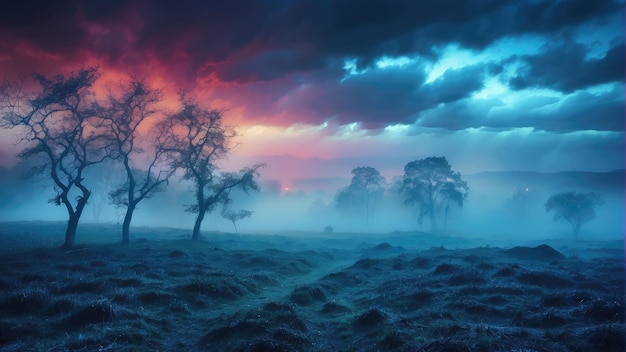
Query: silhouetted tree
{"x": 125, "y": 113}
{"x": 196, "y": 141}
{"x": 60, "y": 123}
{"x": 573, "y": 207}
{"x": 365, "y": 190}
{"x": 430, "y": 183}
{"x": 234, "y": 216}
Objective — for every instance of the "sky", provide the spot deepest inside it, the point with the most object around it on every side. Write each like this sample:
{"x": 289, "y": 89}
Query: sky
{"x": 490, "y": 84}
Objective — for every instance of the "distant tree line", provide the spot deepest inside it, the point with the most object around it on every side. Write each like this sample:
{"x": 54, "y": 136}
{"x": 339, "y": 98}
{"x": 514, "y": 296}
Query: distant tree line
{"x": 65, "y": 126}
{"x": 430, "y": 186}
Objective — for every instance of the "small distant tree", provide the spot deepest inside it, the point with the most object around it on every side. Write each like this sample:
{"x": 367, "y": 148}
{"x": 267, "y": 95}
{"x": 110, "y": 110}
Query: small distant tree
{"x": 365, "y": 190}
{"x": 61, "y": 124}
{"x": 521, "y": 205}
{"x": 574, "y": 207}
{"x": 234, "y": 216}
{"x": 196, "y": 140}
{"x": 431, "y": 183}
{"x": 521, "y": 201}
{"x": 125, "y": 114}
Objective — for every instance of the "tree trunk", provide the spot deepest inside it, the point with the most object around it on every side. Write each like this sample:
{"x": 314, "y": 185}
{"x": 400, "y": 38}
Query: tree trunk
{"x": 70, "y": 231}
{"x": 72, "y": 223}
{"x": 576, "y": 230}
{"x": 235, "y": 226}
{"x": 126, "y": 225}
{"x": 196, "y": 227}
{"x": 367, "y": 211}
{"x": 433, "y": 220}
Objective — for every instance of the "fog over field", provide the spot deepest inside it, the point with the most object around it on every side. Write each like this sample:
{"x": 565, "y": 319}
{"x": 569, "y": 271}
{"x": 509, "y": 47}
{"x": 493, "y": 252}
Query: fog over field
{"x": 309, "y": 205}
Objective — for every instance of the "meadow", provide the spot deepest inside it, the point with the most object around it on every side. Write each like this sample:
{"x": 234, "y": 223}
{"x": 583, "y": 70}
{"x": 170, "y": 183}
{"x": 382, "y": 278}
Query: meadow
{"x": 305, "y": 292}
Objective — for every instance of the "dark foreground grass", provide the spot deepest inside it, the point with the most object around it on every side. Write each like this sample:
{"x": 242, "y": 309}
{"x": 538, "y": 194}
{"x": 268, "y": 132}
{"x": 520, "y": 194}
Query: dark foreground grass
{"x": 281, "y": 294}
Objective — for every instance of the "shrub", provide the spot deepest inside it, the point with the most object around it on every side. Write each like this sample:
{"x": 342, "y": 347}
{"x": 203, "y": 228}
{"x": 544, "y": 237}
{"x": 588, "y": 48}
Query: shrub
{"x": 544, "y": 279}
{"x": 306, "y": 295}
{"x": 97, "y": 312}
{"x": 372, "y": 317}
{"x": 26, "y": 301}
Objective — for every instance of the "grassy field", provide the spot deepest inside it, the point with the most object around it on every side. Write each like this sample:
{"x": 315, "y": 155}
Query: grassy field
{"x": 304, "y": 292}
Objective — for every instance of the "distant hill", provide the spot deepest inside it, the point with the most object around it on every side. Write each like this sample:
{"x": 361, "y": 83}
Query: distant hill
{"x": 612, "y": 181}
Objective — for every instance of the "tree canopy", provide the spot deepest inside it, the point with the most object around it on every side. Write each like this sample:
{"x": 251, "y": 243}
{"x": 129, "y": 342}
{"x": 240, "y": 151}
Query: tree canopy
{"x": 576, "y": 208}
{"x": 365, "y": 190}
{"x": 431, "y": 182}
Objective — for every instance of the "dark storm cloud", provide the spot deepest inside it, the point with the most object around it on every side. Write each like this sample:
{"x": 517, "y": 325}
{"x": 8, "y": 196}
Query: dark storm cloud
{"x": 208, "y": 31}
{"x": 585, "y": 111}
{"x": 382, "y": 97}
{"x": 565, "y": 68}
{"x": 551, "y": 15}
{"x": 270, "y": 66}
{"x": 580, "y": 111}
{"x": 279, "y": 48}
{"x": 453, "y": 85}
{"x": 365, "y": 30}
{"x": 103, "y": 11}
{"x": 483, "y": 25}
{"x": 368, "y": 29}
{"x": 50, "y": 26}
{"x": 255, "y": 35}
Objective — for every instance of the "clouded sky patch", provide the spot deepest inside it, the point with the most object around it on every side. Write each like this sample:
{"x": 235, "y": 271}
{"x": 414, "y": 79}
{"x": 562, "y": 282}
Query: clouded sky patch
{"x": 540, "y": 81}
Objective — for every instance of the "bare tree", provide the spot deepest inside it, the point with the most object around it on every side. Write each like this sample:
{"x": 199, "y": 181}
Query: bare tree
{"x": 197, "y": 140}
{"x": 125, "y": 114}
{"x": 60, "y": 123}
